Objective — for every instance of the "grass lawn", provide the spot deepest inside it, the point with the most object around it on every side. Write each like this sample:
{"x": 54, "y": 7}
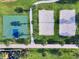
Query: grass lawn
{"x": 7, "y": 8}
{"x": 66, "y": 54}
{"x": 1, "y": 55}
{"x": 56, "y": 7}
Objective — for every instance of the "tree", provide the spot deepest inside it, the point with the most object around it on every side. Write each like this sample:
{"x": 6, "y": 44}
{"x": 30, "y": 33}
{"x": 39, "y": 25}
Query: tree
{"x": 7, "y": 41}
{"x": 23, "y": 41}
{"x": 60, "y": 52}
{"x": 62, "y": 42}
{"x": 44, "y": 41}
{"x": 20, "y": 40}
{"x": 19, "y": 10}
{"x": 25, "y": 52}
{"x": 77, "y": 55}
{"x": 43, "y": 54}
{"x": 42, "y": 51}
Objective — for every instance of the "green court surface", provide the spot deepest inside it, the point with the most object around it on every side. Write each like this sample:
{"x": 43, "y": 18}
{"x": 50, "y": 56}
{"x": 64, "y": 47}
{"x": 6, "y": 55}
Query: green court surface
{"x": 15, "y": 23}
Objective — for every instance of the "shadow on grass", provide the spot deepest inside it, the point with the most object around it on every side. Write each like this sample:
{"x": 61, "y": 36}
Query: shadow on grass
{"x": 77, "y": 19}
{"x": 57, "y": 52}
{"x": 54, "y": 51}
{"x": 73, "y": 40}
{"x": 67, "y": 1}
{"x": 41, "y": 50}
{"x": 51, "y": 41}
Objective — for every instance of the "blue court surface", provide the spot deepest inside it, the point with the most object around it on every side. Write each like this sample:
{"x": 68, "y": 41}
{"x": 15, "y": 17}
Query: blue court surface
{"x": 15, "y": 26}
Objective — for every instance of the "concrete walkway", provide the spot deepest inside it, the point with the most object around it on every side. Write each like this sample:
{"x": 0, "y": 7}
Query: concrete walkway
{"x": 52, "y": 46}
{"x": 45, "y": 1}
{"x": 31, "y": 27}
{"x": 22, "y": 46}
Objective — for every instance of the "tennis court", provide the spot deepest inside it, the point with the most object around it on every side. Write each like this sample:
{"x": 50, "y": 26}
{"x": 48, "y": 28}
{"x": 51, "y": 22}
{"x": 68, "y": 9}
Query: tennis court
{"x": 67, "y": 25}
{"x": 46, "y": 22}
{"x": 15, "y": 26}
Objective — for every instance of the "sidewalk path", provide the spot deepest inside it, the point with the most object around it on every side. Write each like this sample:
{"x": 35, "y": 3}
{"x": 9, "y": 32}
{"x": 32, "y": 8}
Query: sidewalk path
{"x": 39, "y": 46}
{"x": 31, "y": 27}
{"x": 45, "y": 1}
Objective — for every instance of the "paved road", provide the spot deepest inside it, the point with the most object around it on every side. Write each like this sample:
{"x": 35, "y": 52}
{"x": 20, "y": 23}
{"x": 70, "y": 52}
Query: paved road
{"x": 45, "y": 1}
{"x": 38, "y": 46}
